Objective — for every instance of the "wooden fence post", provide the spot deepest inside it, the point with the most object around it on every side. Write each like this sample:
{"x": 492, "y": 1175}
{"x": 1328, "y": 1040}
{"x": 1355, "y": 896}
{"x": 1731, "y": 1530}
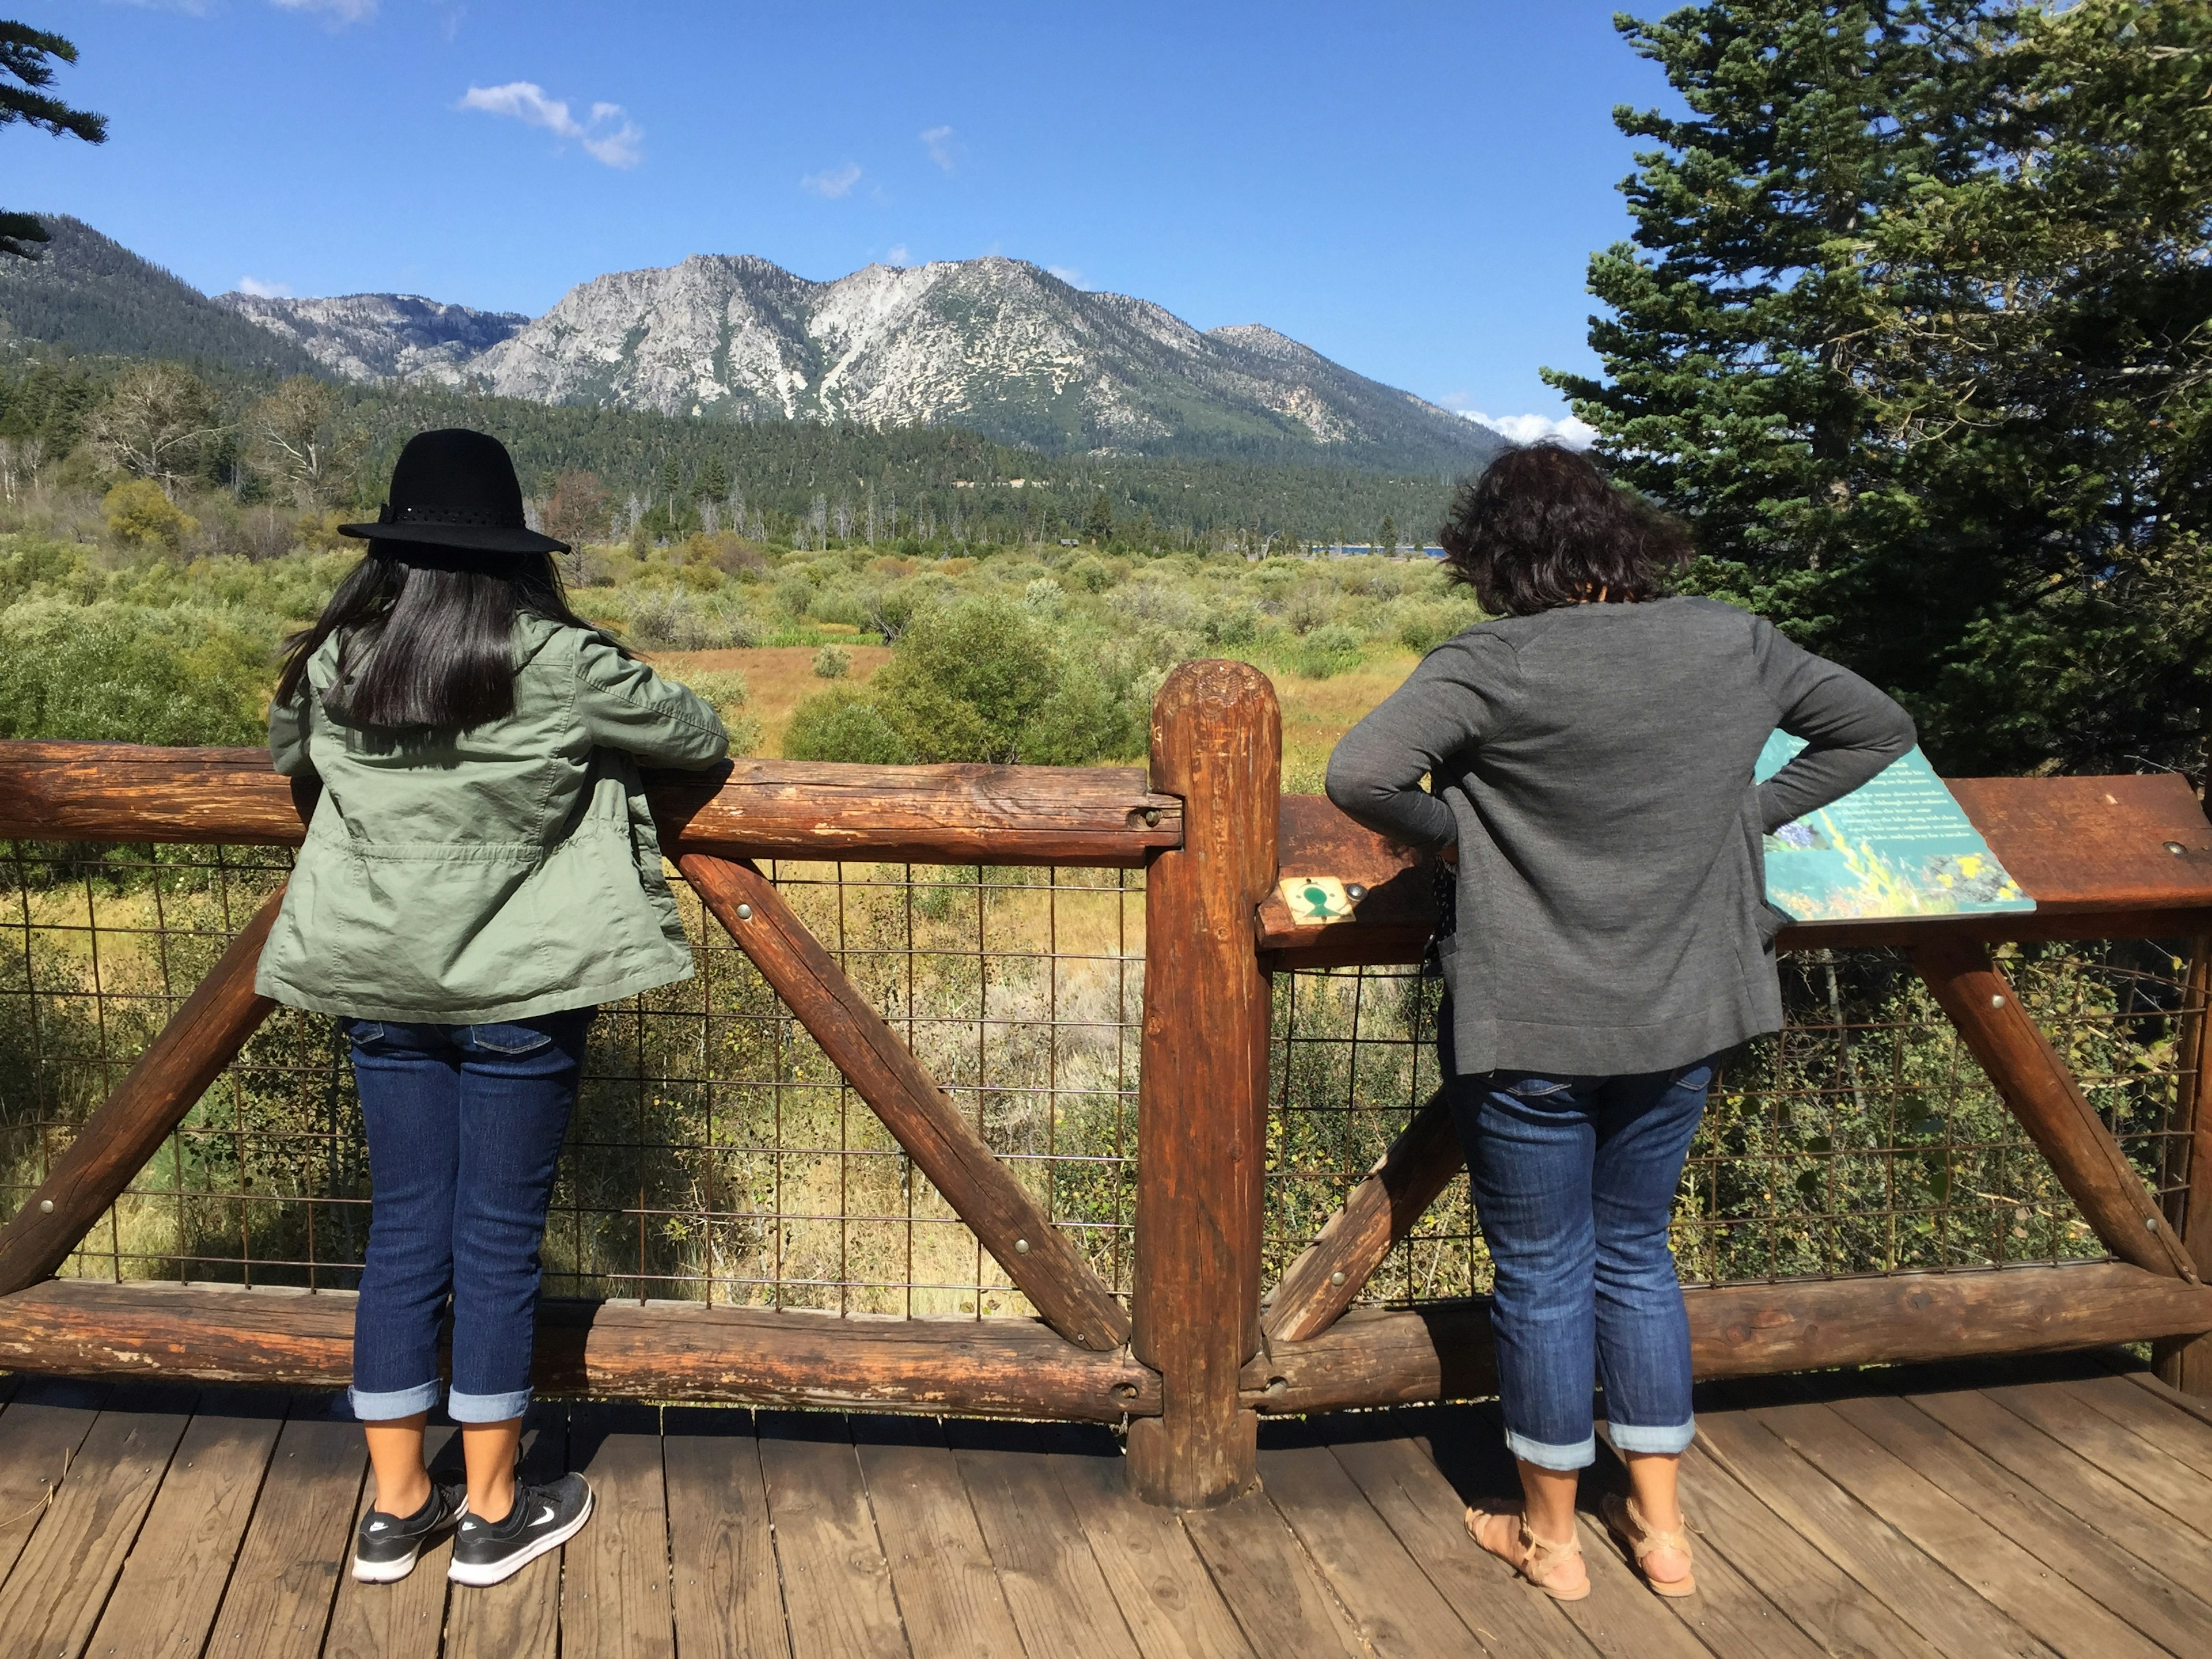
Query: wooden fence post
{"x": 1202, "y": 1094}
{"x": 2185, "y": 1363}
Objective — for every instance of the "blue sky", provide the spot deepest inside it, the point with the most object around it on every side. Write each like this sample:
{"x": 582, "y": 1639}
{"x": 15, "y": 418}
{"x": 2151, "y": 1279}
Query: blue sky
{"x": 1411, "y": 189}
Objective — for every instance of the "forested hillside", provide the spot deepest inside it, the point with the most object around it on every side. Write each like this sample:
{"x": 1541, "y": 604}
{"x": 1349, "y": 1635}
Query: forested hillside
{"x": 94, "y": 295}
{"x": 773, "y": 480}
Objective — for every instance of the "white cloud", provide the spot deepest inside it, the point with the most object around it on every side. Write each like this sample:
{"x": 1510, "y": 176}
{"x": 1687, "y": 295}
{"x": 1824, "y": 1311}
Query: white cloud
{"x": 610, "y": 137}
{"x": 833, "y": 182}
{"x": 896, "y": 254}
{"x": 937, "y": 140}
{"x": 1067, "y": 274}
{"x": 261, "y": 290}
{"x": 340, "y": 11}
{"x": 1534, "y": 429}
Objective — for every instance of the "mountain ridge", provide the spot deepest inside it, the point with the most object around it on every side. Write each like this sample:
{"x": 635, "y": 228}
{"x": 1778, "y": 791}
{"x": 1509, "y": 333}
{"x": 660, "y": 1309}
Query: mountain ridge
{"x": 993, "y": 345}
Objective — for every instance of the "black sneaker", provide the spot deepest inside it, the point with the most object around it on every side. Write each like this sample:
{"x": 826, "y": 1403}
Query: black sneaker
{"x": 385, "y": 1546}
{"x": 544, "y": 1518}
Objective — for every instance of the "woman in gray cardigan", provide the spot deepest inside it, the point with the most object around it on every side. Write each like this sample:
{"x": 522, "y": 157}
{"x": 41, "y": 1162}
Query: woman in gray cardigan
{"x": 1588, "y": 756}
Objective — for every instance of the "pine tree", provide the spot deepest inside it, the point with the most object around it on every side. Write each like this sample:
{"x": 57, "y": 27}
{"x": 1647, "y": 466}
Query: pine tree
{"x": 27, "y": 56}
{"x": 1386, "y": 539}
{"x": 1098, "y": 522}
{"x": 1914, "y": 331}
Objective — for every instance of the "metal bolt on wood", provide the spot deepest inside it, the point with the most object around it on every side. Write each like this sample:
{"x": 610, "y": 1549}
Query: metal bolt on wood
{"x": 745, "y": 913}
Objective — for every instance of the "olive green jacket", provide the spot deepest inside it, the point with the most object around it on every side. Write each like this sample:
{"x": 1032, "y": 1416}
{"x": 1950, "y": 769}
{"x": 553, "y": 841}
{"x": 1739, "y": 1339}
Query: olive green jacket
{"x": 501, "y": 873}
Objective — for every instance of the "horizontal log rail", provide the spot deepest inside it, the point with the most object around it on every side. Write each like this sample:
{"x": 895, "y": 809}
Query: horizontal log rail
{"x": 1442, "y": 1350}
{"x": 1005, "y": 1367}
{"x": 1105, "y": 817}
{"x": 2103, "y": 858}
{"x": 211, "y": 1333}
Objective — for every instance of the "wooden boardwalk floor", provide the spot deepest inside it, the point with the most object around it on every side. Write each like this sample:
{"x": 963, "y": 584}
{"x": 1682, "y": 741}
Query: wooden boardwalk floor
{"x": 2050, "y": 1509}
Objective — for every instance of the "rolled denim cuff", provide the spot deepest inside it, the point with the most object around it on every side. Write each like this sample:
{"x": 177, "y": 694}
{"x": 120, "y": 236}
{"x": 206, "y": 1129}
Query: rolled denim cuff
{"x": 487, "y": 1407}
{"x": 1580, "y": 1456}
{"x": 1636, "y": 1437}
{"x": 393, "y": 1403}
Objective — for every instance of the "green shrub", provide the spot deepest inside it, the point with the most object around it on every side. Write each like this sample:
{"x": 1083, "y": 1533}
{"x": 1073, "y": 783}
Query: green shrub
{"x": 832, "y": 662}
{"x": 1333, "y": 648}
{"x": 139, "y": 515}
{"x": 984, "y": 680}
{"x": 841, "y": 724}
{"x": 127, "y": 673}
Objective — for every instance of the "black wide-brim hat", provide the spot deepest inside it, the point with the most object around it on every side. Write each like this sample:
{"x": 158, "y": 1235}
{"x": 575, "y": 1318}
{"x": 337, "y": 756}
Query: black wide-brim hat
{"x": 454, "y": 488}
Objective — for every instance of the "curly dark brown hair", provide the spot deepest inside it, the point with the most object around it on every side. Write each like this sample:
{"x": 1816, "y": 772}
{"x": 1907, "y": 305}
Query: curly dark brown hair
{"x": 1542, "y": 528}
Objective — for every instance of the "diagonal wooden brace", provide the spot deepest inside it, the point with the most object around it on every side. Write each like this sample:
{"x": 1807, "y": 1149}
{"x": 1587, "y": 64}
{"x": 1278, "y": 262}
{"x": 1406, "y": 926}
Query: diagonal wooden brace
{"x": 204, "y": 1036}
{"x": 2043, "y": 1095}
{"x": 1376, "y": 1214}
{"x": 881, "y": 1068}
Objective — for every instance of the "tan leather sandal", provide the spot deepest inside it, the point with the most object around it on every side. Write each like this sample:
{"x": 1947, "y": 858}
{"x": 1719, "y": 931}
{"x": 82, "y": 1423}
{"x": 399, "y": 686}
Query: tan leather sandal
{"x": 1539, "y": 1562}
{"x": 1639, "y": 1538}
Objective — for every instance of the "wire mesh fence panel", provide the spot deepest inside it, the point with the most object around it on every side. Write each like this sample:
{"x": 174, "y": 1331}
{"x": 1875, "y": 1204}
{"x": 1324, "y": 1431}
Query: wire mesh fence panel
{"x": 714, "y": 1153}
{"x": 1861, "y": 1139}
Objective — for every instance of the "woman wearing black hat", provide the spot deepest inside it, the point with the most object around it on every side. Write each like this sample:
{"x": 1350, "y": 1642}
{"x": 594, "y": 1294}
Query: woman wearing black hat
{"x": 479, "y": 871}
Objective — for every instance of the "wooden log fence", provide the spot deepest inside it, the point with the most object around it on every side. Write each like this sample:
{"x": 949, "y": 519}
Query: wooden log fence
{"x": 1201, "y": 1352}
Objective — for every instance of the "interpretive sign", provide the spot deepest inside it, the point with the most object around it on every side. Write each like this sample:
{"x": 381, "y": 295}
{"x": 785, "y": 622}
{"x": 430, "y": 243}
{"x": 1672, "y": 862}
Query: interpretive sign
{"x": 1899, "y": 845}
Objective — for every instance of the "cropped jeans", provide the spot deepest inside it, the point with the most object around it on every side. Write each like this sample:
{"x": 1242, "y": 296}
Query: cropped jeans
{"x": 465, "y": 1129}
{"x": 1574, "y": 1181}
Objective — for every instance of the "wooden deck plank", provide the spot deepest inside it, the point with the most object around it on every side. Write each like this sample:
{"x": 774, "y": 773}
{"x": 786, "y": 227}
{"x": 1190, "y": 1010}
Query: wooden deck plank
{"x": 2162, "y": 1610}
{"x": 1820, "y": 1597}
{"x": 838, "y": 1595}
{"x": 405, "y": 1620}
{"x": 1621, "y": 1617}
{"x": 2072, "y": 1482}
{"x": 1729, "y": 1613}
{"x": 722, "y": 1558}
{"x": 521, "y": 1618}
{"x": 1402, "y": 1482}
{"x": 1886, "y": 1565}
{"x": 2039, "y": 1598}
{"x": 165, "y": 1603}
{"x": 2178, "y": 1434}
{"x": 614, "y": 1582}
{"x": 1276, "y": 1593}
{"x": 1151, "y": 1566}
{"x": 1395, "y": 1607}
{"x": 2199, "y": 1409}
{"x": 2125, "y": 1456}
{"x": 39, "y": 1434}
{"x": 947, "y": 1588}
{"x": 1052, "y": 1582}
{"x": 61, "y": 1581}
{"x": 278, "y": 1603}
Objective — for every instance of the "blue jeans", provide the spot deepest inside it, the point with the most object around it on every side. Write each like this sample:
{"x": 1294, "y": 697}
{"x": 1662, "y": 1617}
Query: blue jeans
{"x": 464, "y": 1128}
{"x": 1573, "y": 1184}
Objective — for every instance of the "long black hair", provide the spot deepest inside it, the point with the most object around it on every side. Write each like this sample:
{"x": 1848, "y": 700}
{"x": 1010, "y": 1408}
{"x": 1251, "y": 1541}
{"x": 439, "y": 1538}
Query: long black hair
{"x": 1543, "y": 527}
{"x": 426, "y": 634}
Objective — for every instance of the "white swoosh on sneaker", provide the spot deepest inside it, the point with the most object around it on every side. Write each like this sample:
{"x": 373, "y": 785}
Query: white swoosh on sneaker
{"x": 543, "y": 1519}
